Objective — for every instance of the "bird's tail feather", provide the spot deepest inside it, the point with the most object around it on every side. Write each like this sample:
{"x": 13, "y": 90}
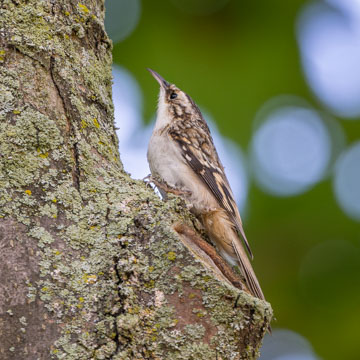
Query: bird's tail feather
{"x": 247, "y": 271}
{"x": 222, "y": 232}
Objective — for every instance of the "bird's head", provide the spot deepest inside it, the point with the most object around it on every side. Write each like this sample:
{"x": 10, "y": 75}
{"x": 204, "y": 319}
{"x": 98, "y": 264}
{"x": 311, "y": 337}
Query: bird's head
{"x": 173, "y": 102}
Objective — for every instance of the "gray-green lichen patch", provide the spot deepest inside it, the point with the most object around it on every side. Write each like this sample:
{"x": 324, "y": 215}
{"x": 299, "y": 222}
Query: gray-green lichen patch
{"x": 125, "y": 244}
{"x": 43, "y": 236}
{"x": 126, "y": 261}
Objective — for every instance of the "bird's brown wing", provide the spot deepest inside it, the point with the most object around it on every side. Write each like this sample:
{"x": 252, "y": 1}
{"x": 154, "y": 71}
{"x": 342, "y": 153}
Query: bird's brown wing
{"x": 199, "y": 151}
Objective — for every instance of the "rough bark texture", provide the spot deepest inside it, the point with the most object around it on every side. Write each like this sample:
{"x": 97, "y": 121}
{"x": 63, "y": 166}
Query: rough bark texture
{"x": 90, "y": 265}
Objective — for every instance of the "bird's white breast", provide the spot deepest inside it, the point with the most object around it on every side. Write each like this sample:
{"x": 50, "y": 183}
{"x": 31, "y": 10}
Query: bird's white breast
{"x": 167, "y": 164}
{"x": 165, "y": 159}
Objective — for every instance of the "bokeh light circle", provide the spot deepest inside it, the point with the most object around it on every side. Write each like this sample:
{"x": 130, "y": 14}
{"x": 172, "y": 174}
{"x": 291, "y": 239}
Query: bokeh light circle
{"x": 351, "y": 8}
{"x": 347, "y": 181}
{"x": 296, "y": 357}
{"x": 329, "y": 41}
{"x": 133, "y": 136}
{"x": 285, "y": 344}
{"x": 290, "y": 150}
{"x": 121, "y": 18}
{"x": 128, "y": 103}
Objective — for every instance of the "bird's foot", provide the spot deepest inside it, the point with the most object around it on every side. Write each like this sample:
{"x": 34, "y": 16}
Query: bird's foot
{"x": 148, "y": 180}
{"x": 164, "y": 187}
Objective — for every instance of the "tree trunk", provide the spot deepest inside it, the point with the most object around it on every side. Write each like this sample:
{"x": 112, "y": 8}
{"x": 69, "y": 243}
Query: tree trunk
{"x": 91, "y": 267}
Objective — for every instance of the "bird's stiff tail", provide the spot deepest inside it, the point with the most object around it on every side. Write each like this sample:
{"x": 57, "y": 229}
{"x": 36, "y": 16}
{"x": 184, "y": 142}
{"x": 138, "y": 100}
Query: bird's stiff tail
{"x": 221, "y": 231}
{"x": 246, "y": 270}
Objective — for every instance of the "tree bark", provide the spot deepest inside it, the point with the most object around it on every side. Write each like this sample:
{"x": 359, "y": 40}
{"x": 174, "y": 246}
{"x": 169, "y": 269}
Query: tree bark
{"x": 90, "y": 264}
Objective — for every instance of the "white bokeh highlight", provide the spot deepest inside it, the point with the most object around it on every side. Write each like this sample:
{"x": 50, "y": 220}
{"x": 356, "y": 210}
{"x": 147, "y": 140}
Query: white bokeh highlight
{"x": 128, "y": 103}
{"x": 347, "y": 181}
{"x": 290, "y": 150}
{"x": 285, "y": 344}
{"x": 329, "y": 39}
{"x": 350, "y": 7}
{"x": 121, "y": 18}
{"x": 134, "y": 136}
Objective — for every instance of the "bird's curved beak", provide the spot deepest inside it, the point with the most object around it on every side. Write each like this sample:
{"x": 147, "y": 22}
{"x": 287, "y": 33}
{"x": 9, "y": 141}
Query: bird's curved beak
{"x": 163, "y": 83}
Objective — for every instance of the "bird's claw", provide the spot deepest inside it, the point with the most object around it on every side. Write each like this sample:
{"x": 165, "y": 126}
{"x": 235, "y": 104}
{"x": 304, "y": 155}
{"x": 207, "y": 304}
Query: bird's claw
{"x": 164, "y": 187}
{"x": 148, "y": 180}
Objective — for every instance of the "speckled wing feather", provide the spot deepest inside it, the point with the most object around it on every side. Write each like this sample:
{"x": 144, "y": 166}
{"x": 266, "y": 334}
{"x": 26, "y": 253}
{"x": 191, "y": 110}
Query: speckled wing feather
{"x": 199, "y": 151}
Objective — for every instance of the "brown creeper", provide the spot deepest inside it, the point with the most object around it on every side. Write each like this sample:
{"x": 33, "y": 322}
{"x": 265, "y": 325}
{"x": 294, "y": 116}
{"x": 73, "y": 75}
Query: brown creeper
{"x": 183, "y": 159}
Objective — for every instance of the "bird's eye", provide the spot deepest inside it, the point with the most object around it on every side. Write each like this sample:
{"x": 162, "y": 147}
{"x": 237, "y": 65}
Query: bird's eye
{"x": 173, "y": 96}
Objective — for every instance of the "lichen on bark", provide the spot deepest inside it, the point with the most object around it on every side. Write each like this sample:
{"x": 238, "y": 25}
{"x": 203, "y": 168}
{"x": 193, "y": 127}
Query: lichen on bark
{"x": 91, "y": 267}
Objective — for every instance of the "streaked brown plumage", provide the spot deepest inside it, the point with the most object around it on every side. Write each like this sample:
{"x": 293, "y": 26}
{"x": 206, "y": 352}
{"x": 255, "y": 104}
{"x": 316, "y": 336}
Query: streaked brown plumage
{"x": 183, "y": 157}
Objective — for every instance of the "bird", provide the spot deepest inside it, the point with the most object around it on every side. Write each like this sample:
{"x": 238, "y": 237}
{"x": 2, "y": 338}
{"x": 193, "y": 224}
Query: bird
{"x": 183, "y": 160}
